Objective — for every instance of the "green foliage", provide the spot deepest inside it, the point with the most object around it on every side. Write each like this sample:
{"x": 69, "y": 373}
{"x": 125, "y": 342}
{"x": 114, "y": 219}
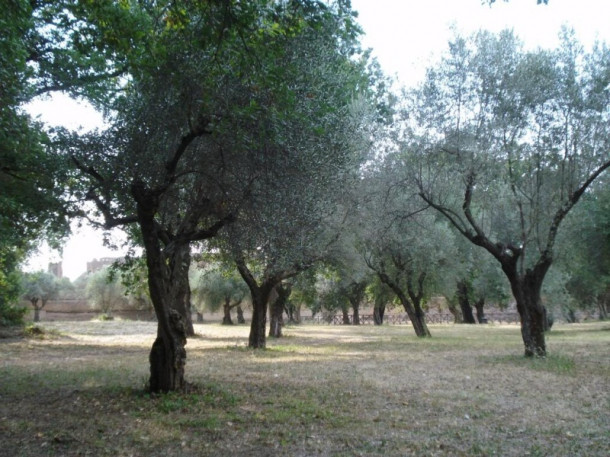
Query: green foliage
{"x": 10, "y": 290}
{"x": 39, "y": 287}
{"x": 216, "y": 286}
{"x": 11, "y": 314}
{"x": 105, "y": 291}
{"x": 585, "y": 247}
{"x": 132, "y": 274}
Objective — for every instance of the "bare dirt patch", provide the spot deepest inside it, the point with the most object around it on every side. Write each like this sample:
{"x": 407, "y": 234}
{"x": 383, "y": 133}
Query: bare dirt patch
{"x": 321, "y": 390}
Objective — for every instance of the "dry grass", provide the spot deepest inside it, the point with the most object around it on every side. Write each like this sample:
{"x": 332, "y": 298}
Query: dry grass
{"x": 327, "y": 391}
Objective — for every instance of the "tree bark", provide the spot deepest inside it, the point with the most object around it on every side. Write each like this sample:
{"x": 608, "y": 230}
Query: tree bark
{"x": 346, "y": 319}
{"x": 260, "y": 299}
{"x": 378, "y": 313}
{"x": 36, "y": 314}
{"x": 413, "y": 310}
{"x": 458, "y": 317}
{"x": 179, "y": 264}
{"x": 603, "y": 302}
{"x": 226, "y": 308}
{"x": 479, "y": 305}
{"x": 463, "y": 296}
{"x": 240, "y": 315}
{"x": 277, "y": 310}
{"x": 166, "y": 286}
{"x": 526, "y": 290}
{"x": 356, "y": 314}
{"x": 190, "y": 330}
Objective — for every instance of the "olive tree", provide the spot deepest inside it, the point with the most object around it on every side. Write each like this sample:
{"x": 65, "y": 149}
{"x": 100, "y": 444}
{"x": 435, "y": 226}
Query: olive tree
{"x": 105, "y": 292}
{"x": 219, "y": 287}
{"x": 509, "y": 141}
{"x": 38, "y": 288}
{"x": 309, "y": 139}
{"x": 181, "y": 130}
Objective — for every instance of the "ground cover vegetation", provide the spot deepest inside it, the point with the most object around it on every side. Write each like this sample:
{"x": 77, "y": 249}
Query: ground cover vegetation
{"x": 321, "y": 390}
{"x": 262, "y": 134}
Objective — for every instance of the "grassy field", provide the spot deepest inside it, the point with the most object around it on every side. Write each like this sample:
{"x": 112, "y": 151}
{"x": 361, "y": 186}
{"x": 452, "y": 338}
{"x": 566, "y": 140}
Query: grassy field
{"x": 79, "y": 389}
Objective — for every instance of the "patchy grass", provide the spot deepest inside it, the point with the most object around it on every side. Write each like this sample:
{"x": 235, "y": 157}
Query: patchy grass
{"x": 322, "y": 390}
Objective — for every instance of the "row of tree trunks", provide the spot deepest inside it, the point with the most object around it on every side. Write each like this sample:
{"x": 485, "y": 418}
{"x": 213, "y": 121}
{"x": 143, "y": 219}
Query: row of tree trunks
{"x": 464, "y": 293}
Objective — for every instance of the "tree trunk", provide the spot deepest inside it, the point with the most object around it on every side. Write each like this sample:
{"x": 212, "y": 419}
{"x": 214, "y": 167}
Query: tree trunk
{"x": 199, "y": 318}
{"x": 226, "y": 318}
{"x": 179, "y": 264}
{"x": 297, "y": 314}
{"x": 240, "y": 315}
{"x": 167, "y": 293}
{"x": 526, "y": 290}
{"x": 355, "y": 294}
{"x": 277, "y": 309}
{"x": 463, "y": 296}
{"x": 417, "y": 319}
{"x": 458, "y": 317}
{"x": 603, "y": 301}
{"x": 356, "y": 315}
{"x": 260, "y": 299}
{"x": 277, "y": 320}
{"x": 257, "y": 339}
{"x": 36, "y": 314}
{"x": 345, "y": 311}
{"x": 570, "y": 315}
{"x": 378, "y": 313}
{"x": 479, "y": 304}
{"x": 168, "y": 354}
{"x": 190, "y": 330}
{"x": 415, "y": 313}
{"x": 420, "y": 326}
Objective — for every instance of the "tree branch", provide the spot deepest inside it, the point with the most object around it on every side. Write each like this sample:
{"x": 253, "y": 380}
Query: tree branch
{"x": 547, "y": 254}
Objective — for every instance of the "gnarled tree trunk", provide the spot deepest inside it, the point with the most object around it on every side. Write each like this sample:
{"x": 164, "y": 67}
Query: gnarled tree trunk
{"x": 458, "y": 317}
{"x": 167, "y": 293}
{"x": 526, "y": 290}
{"x": 226, "y": 310}
{"x": 179, "y": 261}
{"x": 240, "y": 315}
{"x": 413, "y": 310}
{"x": 479, "y": 305}
{"x": 463, "y": 296}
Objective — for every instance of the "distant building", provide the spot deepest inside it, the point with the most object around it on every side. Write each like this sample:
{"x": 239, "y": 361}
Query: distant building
{"x": 56, "y": 269}
{"x": 98, "y": 264}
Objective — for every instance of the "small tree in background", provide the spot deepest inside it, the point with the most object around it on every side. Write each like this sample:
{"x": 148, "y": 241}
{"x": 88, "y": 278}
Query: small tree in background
{"x": 38, "y": 289}
{"x": 217, "y": 288}
{"x": 105, "y": 292}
